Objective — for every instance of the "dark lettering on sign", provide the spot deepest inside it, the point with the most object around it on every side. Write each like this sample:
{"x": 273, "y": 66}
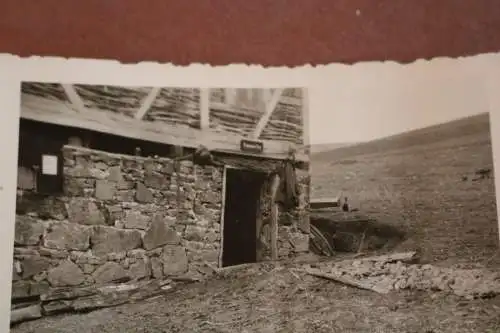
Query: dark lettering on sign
{"x": 251, "y": 146}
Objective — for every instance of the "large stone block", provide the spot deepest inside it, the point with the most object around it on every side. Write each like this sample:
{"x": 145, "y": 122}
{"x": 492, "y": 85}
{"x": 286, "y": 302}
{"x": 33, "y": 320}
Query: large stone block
{"x": 210, "y": 197}
{"x": 67, "y": 236}
{"x": 105, "y": 190}
{"x": 28, "y": 231}
{"x": 32, "y": 265}
{"x": 44, "y": 207}
{"x": 143, "y": 194}
{"x": 159, "y": 234}
{"x": 136, "y": 220}
{"x": 140, "y": 269}
{"x": 115, "y": 174}
{"x": 66, "y": 273}
{"x": 195, "y": 233}
{"x": 157, "y": 268}
{"x": 156, "y": 180}
{"x": 38, "y": 288}
{"x": 85, "y": 211}
{"x": 106, "y": 240}
{"x": 78, "y": 186}
{"x": 168, "y": 168}
{"x": 110, "y": 272}
{"x": 20, "y": 289}
{"x": 174, "y": 260}
{"x": 300, "y": 242}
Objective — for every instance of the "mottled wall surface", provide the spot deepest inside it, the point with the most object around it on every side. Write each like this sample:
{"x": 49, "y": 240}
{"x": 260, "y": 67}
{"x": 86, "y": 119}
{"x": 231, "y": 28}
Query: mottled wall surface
{"x": 119, "y": 219}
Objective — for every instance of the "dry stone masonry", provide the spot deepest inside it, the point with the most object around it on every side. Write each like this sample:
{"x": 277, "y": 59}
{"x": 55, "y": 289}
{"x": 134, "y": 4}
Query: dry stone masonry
{"x": 124, "y": 227}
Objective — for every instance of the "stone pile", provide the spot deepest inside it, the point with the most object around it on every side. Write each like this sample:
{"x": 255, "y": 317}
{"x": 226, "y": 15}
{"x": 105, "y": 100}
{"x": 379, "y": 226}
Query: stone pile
{"x": 383, "y": 274}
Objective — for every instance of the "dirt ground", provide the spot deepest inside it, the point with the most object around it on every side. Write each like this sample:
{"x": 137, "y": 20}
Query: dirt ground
{"x": 269, "y": 298}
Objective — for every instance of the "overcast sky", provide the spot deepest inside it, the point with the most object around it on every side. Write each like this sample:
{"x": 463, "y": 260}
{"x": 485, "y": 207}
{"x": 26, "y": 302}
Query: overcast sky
{"x": 373, "y": 100}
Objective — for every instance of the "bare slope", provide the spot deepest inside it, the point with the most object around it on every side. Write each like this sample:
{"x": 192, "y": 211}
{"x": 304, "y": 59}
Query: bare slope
{"x": 478, "y": 124}
{"x": 416, "y": 181}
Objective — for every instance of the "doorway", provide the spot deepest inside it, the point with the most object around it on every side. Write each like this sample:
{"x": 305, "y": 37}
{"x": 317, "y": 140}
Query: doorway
{"x": 241, "y": 207}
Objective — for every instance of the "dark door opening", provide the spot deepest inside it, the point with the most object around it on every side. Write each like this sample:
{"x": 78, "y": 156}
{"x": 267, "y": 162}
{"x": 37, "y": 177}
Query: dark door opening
{"x": 242, "y": 200}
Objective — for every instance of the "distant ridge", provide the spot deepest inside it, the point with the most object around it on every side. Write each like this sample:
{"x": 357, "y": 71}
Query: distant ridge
{"x": 322, "y": 147}
{"x": 476, "y": 124}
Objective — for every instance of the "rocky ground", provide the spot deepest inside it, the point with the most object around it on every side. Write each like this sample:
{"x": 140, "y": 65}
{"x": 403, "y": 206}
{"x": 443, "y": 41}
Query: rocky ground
{"x": 286, "y": 298}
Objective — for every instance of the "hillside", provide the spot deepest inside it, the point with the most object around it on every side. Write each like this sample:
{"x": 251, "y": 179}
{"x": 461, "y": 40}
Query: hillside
{"x": 460, "y": 128}
{"x": 424, "y": 183}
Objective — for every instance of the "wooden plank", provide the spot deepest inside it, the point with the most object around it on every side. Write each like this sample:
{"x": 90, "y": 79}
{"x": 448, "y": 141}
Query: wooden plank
{"x": 148, "y": 101}
{"x": 270, "y": 106}
{"x": 274, "y": 218}
{"x": 73, "y": 97}
{"x": 204, "y": 108}
{"x": 60, "y": 113}
{"x": 347, "y": 281}
{"x": 324, "y": 203}
{"x": 221, "y": 231}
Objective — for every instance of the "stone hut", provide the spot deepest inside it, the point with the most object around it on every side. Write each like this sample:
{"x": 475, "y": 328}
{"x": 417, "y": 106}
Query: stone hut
{"x": 114, "y": 202}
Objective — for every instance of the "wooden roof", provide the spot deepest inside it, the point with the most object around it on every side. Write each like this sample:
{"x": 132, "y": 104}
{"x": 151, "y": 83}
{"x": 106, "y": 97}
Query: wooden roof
{"x": 217, "y": 118}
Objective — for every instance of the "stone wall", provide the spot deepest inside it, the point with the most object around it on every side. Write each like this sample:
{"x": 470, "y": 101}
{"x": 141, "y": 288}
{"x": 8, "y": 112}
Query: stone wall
{"x": 120, "y": 222}
{"x": 120, "y": 218}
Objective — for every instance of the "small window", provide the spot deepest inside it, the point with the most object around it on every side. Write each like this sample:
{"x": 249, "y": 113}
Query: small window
{"x": 49, "y": 178}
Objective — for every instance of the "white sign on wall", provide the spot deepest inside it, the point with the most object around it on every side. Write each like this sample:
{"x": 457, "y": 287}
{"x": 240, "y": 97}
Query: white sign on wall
{"x": 49, "y": 165}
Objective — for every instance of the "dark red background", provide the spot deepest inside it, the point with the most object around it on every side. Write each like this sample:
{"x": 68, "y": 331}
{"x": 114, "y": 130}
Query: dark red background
{"x": 268, "y": 32}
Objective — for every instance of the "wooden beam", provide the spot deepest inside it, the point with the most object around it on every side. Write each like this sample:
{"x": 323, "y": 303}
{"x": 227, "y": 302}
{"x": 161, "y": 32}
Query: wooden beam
{"x": 306, "y": 139}
{"x": 223, "y": 208}
{"x": 73, "y": 97}
{"x": 148, "y": 101}
{"x": 230, "y": 96}
{"x": 204, "y": 108}
{"x": 57, "y": 112}
{"x": 266, "y": 95}
{"x": 324, "y": 203}
{"x": 274, "y": 217}
{"x": 270, "y": 106}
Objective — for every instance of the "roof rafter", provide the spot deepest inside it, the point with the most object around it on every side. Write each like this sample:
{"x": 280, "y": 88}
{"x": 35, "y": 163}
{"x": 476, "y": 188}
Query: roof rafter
{"x": 147, "y": 103}
{"x": 73, "y": 97}
{"x": 269, "y": 109}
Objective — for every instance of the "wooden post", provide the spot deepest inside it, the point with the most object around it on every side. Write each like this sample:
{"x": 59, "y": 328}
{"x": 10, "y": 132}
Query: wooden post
{"x": 223, "y": 208}
{"x": 258, "y": 224}
{"x": 274, "y": 217}
{"x": 306, "y": 140}
{"x": 204, "y": 108}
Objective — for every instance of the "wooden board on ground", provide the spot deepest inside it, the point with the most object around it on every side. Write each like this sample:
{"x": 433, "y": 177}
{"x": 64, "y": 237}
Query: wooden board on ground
{"x": 322, "y": 203}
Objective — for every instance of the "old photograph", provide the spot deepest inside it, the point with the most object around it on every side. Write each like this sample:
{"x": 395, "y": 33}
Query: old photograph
{"x": 354, "y": 198}
{"x": 129, "y": 193}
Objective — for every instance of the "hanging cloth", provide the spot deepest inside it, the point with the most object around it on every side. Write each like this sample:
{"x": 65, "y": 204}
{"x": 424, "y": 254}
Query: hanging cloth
{"x": 288, "y": 190}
